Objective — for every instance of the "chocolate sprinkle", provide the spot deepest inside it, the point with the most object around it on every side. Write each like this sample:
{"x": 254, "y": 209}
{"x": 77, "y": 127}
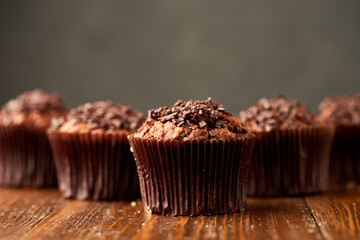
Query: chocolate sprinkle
{"x": 196, "y": 114}
{"x": 280, "y": 112}
{"x": 36, "y": 100}
{"x": 341, "y": 110}
{"x": 107, "y": 115}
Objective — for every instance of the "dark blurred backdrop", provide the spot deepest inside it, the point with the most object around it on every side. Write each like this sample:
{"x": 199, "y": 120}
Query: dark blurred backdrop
{"x": 151, "y": 53}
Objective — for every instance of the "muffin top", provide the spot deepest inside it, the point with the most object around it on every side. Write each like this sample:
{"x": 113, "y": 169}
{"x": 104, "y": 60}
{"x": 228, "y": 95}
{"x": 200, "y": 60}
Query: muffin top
{"x": 100, "y": 116}
{"x": 277, "y": 113}
{"x": 192, "y": 120}
{"x": 342, "y": 110}
{"x": 35, "y": 108}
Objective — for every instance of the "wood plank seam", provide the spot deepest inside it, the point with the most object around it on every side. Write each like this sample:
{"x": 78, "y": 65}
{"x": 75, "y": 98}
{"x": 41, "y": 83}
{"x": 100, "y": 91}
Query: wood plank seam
{"x": 313, "y": 217}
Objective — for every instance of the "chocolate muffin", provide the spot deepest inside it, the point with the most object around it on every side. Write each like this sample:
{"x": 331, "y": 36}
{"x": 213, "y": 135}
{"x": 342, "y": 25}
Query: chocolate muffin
{"x": 291, "y": 153}
{"x": 192, "y": 159}
{"x": 25, "y": 155}
{"x": 344, "y": 113}
{"x": 92, "y": 152}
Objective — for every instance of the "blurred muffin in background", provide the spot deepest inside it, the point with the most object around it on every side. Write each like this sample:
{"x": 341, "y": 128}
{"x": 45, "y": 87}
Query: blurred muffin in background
{"x": 344, "y": 113}
{"x": 291, "y": 153}
{"x": 25, "y": 156}
{"x": 92, "y": 152}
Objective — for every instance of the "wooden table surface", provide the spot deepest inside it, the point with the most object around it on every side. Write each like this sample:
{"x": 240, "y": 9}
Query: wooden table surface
{"x": 41, "y": 214}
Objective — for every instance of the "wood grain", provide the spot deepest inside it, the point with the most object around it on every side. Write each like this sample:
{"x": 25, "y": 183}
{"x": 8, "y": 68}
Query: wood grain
{"x": 22, "y": 210}
{"x": 41, "y": 214}
{"x": 277, "y": 219}
{"x": 337, "y": 213}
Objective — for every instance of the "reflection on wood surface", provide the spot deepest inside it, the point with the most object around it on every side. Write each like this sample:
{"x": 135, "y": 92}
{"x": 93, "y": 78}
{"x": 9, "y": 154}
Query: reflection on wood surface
{"x": 41, "y": 214}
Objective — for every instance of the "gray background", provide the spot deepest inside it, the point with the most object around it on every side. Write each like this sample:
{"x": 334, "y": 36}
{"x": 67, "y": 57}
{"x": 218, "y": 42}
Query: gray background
{"x": 151, "y": 53}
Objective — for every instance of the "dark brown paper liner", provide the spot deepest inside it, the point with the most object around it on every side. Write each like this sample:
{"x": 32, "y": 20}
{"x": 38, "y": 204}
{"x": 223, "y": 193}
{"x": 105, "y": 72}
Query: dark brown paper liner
{"x": 94, "y": 166}
{"x": 192, "y": 177}
{"x": 345, "y": 155}
{"x": 290, "y": 162}
{"x": 25, "y": 158}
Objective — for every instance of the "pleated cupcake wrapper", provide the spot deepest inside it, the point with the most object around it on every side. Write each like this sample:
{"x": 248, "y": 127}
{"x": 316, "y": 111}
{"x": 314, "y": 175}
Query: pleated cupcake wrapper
{"x": 345, "y": 155}
{"x": 25, "y": 158}
{"x": 192, "y": 177}
{"x": 94, "y": 166}
{"x": 290, "y": 162}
